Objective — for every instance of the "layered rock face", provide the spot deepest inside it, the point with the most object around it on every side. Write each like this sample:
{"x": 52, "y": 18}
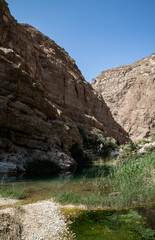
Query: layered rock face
{"x": 43, "y": 99}
{"x": 129, "y": 91}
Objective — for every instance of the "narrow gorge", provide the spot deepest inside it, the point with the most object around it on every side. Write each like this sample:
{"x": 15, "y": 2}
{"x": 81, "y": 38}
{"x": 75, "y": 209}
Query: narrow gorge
{"x": 77, "y": 160}
{"x": 44, "y": 100}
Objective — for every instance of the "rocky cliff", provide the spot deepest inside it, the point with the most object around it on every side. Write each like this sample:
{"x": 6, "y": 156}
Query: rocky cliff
{"x": 43, "y": 99}
{"x": 129, "y": 91}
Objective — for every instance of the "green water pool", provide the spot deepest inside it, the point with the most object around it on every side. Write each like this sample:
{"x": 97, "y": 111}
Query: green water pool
{"x": 111, "y": 225}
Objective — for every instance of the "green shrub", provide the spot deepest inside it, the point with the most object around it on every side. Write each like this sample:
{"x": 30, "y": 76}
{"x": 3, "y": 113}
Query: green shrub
{"x": 102, "y": 146}
{"x": 95, "y": 141}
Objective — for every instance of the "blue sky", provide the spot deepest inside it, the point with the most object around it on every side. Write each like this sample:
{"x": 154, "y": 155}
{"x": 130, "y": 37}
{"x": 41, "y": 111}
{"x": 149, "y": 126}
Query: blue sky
{"x": 97, "y": 34}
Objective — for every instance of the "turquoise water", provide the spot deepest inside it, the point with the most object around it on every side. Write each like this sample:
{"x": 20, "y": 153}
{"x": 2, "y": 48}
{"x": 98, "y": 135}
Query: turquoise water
{"x": 42, "y": 187}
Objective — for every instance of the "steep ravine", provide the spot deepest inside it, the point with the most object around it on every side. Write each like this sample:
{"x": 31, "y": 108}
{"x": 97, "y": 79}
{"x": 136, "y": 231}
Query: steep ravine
{"x": 43, "y": 99}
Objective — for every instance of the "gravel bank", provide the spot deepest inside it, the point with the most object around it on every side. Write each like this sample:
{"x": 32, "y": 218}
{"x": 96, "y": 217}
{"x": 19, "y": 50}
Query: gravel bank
{"x": 40, "y": 221}
{"x": 7, "y": 201}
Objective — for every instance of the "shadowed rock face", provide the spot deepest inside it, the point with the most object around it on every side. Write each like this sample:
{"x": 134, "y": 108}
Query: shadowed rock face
{"x": 129, "y": 91}
{"x": 43, "y": 99}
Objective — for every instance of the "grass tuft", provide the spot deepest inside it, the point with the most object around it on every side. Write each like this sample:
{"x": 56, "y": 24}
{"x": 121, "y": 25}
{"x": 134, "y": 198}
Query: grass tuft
{"x": 130, "y": 183}
{"x": 12, "y": 192}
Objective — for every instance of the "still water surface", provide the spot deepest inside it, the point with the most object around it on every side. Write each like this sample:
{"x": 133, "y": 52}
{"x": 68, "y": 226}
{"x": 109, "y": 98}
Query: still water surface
{"x": 42, "y": 187}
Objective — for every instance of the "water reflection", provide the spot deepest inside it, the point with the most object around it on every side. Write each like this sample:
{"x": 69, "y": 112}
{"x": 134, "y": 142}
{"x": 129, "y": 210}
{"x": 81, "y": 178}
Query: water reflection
{"x": 11, "y": 177}
{"x": 89, "y": 172}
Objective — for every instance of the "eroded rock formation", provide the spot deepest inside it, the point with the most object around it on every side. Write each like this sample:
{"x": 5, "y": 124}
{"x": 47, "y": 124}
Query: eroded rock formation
{"x": 129, "y": 91}
{"x": 43, "y": 99}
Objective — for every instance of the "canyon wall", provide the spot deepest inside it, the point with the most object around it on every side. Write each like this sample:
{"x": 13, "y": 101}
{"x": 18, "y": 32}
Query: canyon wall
{"x": 44, "y": 99}
{"x": 129, "y": 91}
